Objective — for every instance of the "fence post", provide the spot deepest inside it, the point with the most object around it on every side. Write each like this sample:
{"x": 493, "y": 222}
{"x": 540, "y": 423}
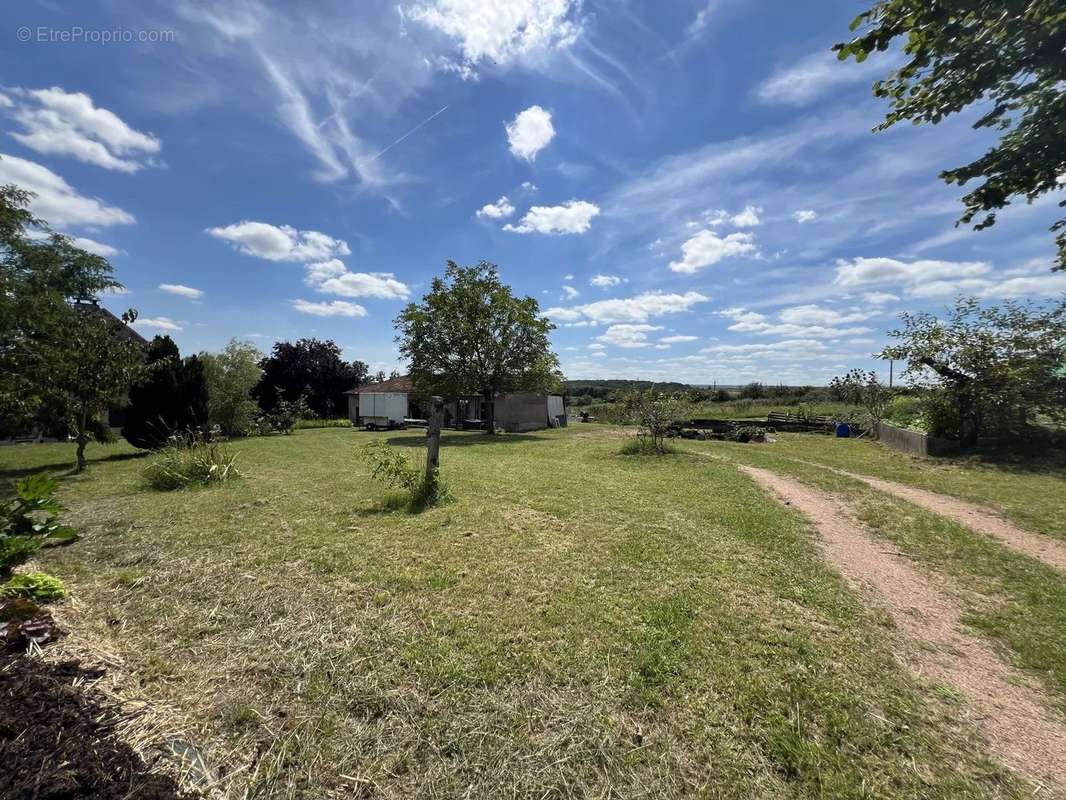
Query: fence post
{"x": 436, "y": 419}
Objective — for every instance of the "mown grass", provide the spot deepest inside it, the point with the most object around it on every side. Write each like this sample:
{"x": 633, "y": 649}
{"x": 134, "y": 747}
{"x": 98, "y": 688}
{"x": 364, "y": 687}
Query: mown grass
{"x": 1017, "y": 601}
{"x": 576, "y": 623}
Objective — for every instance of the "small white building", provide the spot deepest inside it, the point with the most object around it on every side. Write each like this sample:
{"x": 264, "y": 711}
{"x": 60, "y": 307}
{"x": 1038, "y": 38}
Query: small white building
{"x": 389, "y": 403}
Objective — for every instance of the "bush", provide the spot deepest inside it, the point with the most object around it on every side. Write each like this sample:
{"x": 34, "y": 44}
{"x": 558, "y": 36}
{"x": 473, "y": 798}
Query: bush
{"x": 392, "y": 468}
{"x": 38, "y": 586}
{"x": 656, "y": 415}
{"x": 186, "y": 463}
{"x": 29, "y": 521}
{"x": 302, "y": 424}
{"x": 172, "y": 396}
{"x": 283, "y": 417}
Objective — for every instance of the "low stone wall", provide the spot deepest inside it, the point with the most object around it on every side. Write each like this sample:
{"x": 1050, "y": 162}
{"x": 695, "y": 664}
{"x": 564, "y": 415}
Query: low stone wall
{"x": 914, "y": 443}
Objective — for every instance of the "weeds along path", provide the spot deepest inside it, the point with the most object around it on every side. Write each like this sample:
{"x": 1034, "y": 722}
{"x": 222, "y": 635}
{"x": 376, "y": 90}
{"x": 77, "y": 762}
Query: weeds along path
{"x": 1022, "y": 731}
{"x": 974, "y": 517}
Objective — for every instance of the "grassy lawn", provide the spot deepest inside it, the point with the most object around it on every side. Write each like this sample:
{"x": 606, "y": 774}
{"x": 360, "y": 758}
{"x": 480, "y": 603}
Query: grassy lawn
{"x": 575, "y": 624}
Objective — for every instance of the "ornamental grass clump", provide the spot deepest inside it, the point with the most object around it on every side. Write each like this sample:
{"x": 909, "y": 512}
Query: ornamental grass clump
{"x": 191, "y": 462}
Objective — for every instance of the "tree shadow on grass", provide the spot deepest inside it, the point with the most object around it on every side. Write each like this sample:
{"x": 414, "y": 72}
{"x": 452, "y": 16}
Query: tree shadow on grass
{"x": 467, "y": 440}
{"x": 58, "y": 738}
{"x": 65, "y": 468}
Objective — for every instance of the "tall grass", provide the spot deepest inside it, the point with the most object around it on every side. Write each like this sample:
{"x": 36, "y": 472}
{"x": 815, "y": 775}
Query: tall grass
{"x": 181, "y": 466}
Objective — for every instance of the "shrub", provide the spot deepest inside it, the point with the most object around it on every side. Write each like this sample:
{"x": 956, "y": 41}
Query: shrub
{"x": 171, "y": 396}
{"x": 38, "y": 586}
{"x": 283, "y": 417}
{"x": 192, "y": 462}
{"x": 302, "y": 424}
{"x": 655, "y": 414}
{"x": 30, "y": 520}
{"x": 393, "y": 468}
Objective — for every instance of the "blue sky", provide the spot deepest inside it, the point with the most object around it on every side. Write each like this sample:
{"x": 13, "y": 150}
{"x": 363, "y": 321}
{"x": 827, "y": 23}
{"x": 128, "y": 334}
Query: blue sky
{"x": 691, "y": 189}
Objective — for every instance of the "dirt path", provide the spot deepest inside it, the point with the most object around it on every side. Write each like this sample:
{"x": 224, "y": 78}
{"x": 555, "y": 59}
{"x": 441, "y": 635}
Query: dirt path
{"x": 1022, "y": 731}
{"x": 972, "y": 516}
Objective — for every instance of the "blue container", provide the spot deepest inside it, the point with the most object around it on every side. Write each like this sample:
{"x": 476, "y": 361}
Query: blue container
{"x": 843, "y": 430}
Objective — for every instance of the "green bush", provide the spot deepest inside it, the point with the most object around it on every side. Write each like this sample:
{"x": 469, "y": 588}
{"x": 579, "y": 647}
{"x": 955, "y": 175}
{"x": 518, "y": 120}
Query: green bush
{"x": 39, "y": 586}
{"x": 182, "y": 465}
{"x": 30, "y": 520}
{"x": 392, "y": 468}
{"x": 303, "y": 424}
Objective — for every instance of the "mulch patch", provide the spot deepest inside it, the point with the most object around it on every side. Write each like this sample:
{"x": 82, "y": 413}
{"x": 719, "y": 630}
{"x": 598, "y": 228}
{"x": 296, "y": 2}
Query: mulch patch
{"x": 58, "y": 738}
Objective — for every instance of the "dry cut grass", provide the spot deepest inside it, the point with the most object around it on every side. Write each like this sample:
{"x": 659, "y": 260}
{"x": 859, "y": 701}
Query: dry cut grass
{"x": 576, "y": 624}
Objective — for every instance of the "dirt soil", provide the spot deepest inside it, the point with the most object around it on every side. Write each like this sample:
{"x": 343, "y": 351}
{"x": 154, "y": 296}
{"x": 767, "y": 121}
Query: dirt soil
{"x": 58, "y": 738}
{"x": 1007, "y": 708}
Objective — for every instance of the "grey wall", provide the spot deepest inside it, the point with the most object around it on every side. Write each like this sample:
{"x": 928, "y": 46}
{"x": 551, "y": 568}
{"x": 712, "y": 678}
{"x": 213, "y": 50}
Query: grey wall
{"x": 917, "y": 444}
{"x": 522, "y": 411}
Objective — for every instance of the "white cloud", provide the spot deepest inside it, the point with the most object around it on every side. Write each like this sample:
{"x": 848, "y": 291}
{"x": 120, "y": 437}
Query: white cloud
{"x": 879, "y": 298}
{"x": 500, "y": 31}
{"x": 923, "y": 278}
{"x": 748, "y": 218}
{"x": 321, "y": 271}
{"x": 785, "y": 347}
{"x": 182, "y": 291}
{"x": 529, "y": 186}
{"x": 501, "y": 209}
{"x": 678, "y": 339}
{"x": 574, "y": 216}
{"x": 530, "y": 132}
{"x": 56, "y": 201}
{"x": 707, "y": 248}
{"x": 805, "y": 215}
{"x": 56, "y": 122}
{"x": 335, "y": 308}
{"x": 815, "y": 75}
{"x": 157, "y": 323}
{"x": 332, "y": 277}
{"x": 810, "y": 321}
{"x": 95, "y": 247}
{"x": 605, "y": 281}
{"x": 568, "y": 277}
{"x": 639, "y": 308}
{"x": 366, "y": 284}
{"x": 570, "y": 292}
{"x": 628, "y": 335}
{"x": 280, "y": 243}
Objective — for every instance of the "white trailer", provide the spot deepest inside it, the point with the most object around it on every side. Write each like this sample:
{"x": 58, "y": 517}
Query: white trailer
{"x": 383, "y": 409}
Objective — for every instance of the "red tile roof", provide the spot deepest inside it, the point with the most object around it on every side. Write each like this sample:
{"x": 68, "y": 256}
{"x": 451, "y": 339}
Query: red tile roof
{"x": 400, "y": 384}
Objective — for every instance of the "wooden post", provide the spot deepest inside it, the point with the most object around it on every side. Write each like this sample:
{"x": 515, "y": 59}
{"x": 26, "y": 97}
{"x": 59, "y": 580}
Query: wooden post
{"x": 436, "y": 419}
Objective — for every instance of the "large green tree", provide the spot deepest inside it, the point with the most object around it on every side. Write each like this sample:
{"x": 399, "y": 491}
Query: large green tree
{"x": 312, "y": 369}
{"x": 232, "y": 375}
{"x": 1008, "y": 56}
{"x": 471, "y": 335}
{"x": 91, "y": 367}
{"x": 46, "y": 335}
{"x": 170, "y": 398}
{"x": 992, "y": 367}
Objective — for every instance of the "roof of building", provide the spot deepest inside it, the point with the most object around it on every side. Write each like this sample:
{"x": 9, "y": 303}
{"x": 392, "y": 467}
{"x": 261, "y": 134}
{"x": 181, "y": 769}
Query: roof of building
{"x": 403, "y": 383}
{"x": 125, "y": 331}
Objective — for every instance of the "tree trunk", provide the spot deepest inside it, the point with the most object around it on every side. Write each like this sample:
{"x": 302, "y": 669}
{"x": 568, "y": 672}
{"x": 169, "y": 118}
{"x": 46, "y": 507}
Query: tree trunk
{"x": 490, "y": 414}
{"x": 83, "y": 437}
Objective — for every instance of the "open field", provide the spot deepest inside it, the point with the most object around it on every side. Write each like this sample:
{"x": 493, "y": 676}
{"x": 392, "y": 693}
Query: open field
{"x": 575, "y": 624}
{"x": 748, "y": 409}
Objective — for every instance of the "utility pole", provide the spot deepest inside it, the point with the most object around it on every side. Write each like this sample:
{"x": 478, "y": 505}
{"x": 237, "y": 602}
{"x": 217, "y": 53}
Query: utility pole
{"x": 891, "y": 371}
